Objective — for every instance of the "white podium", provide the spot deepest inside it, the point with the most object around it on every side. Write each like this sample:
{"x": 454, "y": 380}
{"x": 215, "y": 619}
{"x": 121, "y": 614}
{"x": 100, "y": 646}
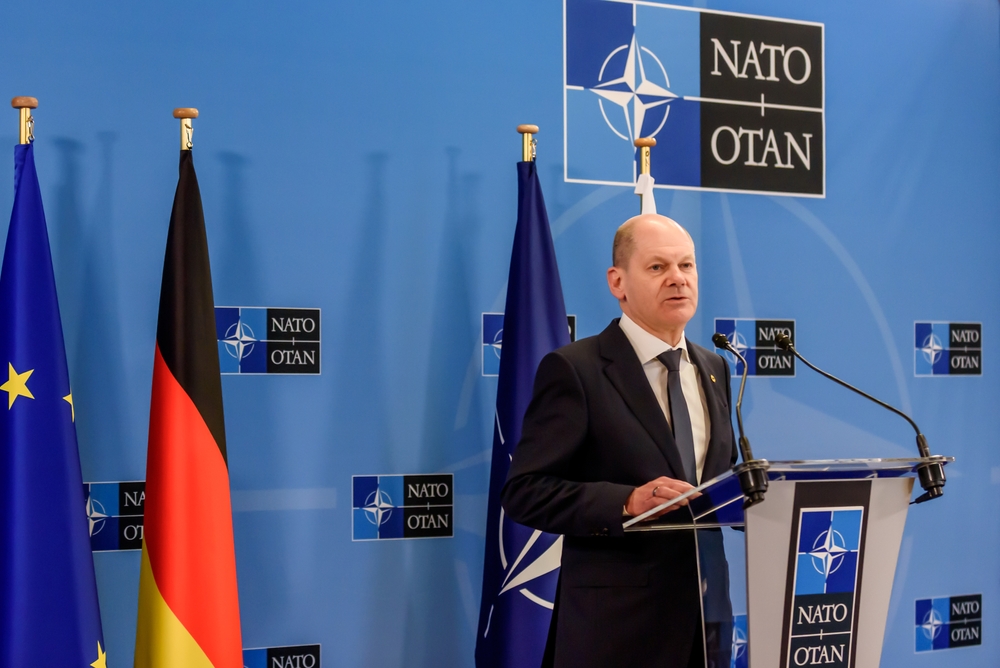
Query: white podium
{"x": 810, "y": 579}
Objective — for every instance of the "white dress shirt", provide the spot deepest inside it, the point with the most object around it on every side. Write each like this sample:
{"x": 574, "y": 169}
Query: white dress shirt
{"x": 647, "y": 347}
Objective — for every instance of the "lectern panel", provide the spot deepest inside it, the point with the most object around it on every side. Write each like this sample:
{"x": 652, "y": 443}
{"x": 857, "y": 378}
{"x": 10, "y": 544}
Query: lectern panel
{"x": 823, "y": 576}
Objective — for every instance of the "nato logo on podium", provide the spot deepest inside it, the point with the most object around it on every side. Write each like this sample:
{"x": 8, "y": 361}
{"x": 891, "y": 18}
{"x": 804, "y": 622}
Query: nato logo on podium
{"x": 739, "y": 656}
{"x": 825, "y": 584}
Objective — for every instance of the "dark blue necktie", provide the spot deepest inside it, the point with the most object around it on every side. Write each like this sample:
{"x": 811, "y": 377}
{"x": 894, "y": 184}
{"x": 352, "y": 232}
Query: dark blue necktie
{"x": 680, "y": 419}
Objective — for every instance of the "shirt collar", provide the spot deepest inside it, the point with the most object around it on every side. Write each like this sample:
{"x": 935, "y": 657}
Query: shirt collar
{"x": 648, "y": 346}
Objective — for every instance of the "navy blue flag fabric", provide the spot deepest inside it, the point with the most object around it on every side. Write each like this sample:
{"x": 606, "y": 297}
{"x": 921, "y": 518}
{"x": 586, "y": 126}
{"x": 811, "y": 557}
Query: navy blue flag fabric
{"x": 49, "y": 614}
{"x": 521, "y": 568}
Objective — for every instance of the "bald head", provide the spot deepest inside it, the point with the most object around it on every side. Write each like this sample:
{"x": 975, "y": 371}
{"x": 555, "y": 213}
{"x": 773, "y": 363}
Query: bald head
{"x": 655, "y": 278}
{"x": 624, "y": 243}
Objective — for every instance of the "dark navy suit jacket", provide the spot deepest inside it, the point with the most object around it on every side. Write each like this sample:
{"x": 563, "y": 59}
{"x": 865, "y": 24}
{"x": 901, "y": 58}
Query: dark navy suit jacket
{"x": 592, "y": 433}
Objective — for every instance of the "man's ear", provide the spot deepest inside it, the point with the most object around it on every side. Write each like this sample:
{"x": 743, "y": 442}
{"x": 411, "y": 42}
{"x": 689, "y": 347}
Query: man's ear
{"x": 616, "y": 280}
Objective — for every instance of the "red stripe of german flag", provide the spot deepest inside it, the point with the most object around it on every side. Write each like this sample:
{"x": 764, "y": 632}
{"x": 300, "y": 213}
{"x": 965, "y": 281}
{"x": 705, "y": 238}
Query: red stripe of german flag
{"x": 188, "y": 601}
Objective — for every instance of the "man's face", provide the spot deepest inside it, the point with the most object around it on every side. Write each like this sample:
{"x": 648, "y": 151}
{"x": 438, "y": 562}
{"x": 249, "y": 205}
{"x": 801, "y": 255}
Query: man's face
{"x": 658, "y": 287}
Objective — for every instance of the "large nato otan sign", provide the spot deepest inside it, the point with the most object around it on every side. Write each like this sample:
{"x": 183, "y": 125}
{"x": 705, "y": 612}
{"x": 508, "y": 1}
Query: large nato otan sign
{"x": 114, "y": 514}
{"x": 293, "y": 656}
{"x": 948, "y": 349}
{"x": 754, "y": 339}
{"x": 950, "y": 621}
{"x": 260, "y": 340}
{"x": 388, "y": 507}
{"x": 735, "y": 102}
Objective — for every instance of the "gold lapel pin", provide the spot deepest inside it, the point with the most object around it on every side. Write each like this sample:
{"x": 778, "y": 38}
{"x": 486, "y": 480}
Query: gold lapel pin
{"x": 712, "y": 377}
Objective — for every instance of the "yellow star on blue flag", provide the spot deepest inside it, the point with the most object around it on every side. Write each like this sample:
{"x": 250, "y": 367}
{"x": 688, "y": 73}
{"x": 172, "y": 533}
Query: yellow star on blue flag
{"x": 72, "y": 409}
{"x": 102, "y": 658}
{"x": 16, "y": 385}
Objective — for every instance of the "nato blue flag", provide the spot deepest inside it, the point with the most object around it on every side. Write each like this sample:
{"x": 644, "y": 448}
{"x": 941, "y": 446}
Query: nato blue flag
{"x": 521, "y": 568}
{"x": 48, "y": 595}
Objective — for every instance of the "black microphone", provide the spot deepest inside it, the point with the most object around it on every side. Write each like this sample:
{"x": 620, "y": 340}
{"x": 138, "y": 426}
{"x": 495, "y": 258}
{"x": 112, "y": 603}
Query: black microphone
{"x": 931, "y": 473}
{"x": 752, "y": 472}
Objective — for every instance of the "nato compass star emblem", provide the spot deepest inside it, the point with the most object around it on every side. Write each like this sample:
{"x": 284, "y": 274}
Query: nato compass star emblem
{"x": 239, "y": 340}
{"x": 737, "y": 341}
{"x": 739, "y": 642}
{"x": 932, "y": 348}
{"x": 828, "y": 552}
{"x": 378, "y": 508}
{"x": 497, "y": 344}
{"x": 95, "y": 515}
{"x": 932, "y": 624}
{"x": 626, "y": 82}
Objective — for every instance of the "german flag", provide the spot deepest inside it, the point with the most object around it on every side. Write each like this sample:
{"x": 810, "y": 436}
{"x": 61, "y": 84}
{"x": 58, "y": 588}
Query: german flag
{"x": 188, "y": 603}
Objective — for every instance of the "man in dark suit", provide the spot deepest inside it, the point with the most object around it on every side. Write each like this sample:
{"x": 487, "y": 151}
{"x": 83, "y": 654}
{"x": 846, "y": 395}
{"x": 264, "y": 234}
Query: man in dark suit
{"x": 619, "y": 423}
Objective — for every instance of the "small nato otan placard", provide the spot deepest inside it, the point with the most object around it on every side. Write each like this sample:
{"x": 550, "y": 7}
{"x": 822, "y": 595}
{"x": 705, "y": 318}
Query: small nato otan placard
{"x": 391, "y": 507}
{"x": 734, "y": 101}
{"x": 754, "y": 339}
{"x": 115, "y": 514}
{"x": 290, "y": 656}
{"x": 493, "y": 340}
{"x": 948, "y": 622}
{"x": 259, "y": 340}
{"x": 947, "y": 348}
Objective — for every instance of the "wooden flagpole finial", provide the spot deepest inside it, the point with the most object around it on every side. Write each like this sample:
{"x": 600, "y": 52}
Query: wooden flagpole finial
{"x": 644, "y": 144}
{"x": 528, "y": 142}
{"x": 186, "y": 114}
{"x": 27, "y": 122}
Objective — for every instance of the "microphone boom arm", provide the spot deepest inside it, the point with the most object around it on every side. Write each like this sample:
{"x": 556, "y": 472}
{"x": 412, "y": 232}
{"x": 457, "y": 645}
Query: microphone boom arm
{"x": 931, "y": 473}
{"x": 752, "y": 472}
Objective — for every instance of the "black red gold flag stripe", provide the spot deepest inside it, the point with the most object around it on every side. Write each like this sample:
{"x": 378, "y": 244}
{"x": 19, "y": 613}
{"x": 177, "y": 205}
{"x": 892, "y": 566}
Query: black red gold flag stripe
{"x": 188, "y": 601}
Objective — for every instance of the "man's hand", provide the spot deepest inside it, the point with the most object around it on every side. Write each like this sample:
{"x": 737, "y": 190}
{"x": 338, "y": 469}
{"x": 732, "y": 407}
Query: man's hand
{"x": 656, "y": 492}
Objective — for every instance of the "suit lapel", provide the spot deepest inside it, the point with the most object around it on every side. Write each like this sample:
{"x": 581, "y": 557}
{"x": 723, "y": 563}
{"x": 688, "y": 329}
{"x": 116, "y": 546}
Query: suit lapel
{"x": 626, "y": 375}
{"x": 719, "y": 455}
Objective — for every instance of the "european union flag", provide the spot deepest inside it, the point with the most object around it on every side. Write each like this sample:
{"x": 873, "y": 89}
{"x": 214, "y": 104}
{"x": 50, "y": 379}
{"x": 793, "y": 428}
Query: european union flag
{"x": 521, "y": 567}
{"x": 48, "y": 595}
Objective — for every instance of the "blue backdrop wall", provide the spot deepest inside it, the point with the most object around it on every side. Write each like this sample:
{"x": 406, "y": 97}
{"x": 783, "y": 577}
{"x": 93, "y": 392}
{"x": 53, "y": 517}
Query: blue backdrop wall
{"x": 359, "y": 158}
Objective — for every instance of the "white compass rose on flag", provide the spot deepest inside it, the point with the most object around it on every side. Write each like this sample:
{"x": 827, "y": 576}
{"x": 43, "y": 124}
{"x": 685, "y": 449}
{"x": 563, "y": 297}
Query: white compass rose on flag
{"x": 519, "y": 570}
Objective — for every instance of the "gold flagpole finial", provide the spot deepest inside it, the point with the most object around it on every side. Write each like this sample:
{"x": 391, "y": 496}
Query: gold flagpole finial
{"x": 528, "y": 142}
{"x": 27, "y": 125}
{"x": 187, "y": 129}
{"x": 644, "y": 144}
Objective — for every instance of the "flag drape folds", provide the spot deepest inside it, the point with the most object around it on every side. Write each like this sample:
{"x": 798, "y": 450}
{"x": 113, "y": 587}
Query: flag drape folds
{"x": 188, "y": 601}
{"x": 520, "y": 571}
{"x": 49, "y": 614}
